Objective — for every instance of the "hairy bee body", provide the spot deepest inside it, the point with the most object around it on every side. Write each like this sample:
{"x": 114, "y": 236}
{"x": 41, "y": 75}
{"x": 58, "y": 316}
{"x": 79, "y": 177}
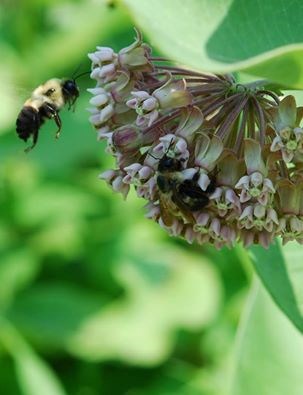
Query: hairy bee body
{"x": 45, "y": 103}
{"x": 193, "y": 196}
{"x": 179, "y": 198}
{"x": 27, "y": 122}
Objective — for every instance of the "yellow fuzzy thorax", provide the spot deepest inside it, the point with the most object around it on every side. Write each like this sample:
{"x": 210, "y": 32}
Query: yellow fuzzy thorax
{"x": 40, "y": 96}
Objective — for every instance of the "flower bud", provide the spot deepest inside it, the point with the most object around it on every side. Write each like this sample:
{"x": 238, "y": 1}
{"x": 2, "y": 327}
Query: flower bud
{"x": 135, "y": 57}
{"x": 173, "y": 95}
{"x": 127, "y": 138}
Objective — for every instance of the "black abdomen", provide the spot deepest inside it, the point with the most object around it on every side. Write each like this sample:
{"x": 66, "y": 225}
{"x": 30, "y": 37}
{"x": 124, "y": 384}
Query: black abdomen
{"x": 28, "y": 121}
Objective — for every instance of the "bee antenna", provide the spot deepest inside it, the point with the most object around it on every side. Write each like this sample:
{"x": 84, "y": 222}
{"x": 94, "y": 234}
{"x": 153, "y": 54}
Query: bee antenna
{"x": 80, "y": 75}
{"x": 76, "y": 71}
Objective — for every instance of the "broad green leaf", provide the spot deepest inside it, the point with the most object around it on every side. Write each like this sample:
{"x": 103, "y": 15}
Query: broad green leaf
{"x": 34, "y": 376}
{"x": 263, "y": 38}
{"x": 269, "y": 352}
{"x": 281, "y": 271}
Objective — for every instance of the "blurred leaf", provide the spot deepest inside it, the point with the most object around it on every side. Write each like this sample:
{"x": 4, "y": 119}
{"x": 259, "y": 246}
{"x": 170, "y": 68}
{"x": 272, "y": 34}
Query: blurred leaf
{"x": 51, "y": 202}
{"x": 232, "y": 264}
{"x": 269, "y": 353}
{"x": 207, "y": 35}
{"x": 44, "y": 37}
{"x": 34, "y": 375}
{"x": 140, "y": 327}
{"x": 17, "y": 269}
{"x": 8, "y": 383}
{"x": 8, "y": 95}
{"x": 51, "y": 313}
{"x": 57, "y": 214}
{"x": 282, "y": 275}
{"x": 81, "y": 23}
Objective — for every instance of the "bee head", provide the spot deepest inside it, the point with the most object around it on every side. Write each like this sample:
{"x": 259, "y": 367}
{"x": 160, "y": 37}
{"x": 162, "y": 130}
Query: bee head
{"x": 70, "y": 90}
{"x": 169, "y": 164}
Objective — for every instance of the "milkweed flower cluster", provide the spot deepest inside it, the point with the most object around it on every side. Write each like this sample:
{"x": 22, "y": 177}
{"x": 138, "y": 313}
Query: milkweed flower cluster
{"x": 242, "y": 140}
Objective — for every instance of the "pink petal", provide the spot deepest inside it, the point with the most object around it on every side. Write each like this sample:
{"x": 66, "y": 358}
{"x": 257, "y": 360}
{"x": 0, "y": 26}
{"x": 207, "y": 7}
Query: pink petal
{"x": 243, "y": 182}
{"x": 203, "y": 181}
{"x": 244, "y": 196}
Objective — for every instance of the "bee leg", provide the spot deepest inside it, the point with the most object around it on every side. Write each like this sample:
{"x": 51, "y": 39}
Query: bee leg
{"x": 35, "y": 139}
{"x": 58, "y": 123}
{"x": 73, "y": 104}
{"x": 53, "y": 113}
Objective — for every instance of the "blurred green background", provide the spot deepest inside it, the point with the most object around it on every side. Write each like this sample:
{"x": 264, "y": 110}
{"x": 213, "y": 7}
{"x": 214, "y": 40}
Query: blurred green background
{"x": 94, "y": 299}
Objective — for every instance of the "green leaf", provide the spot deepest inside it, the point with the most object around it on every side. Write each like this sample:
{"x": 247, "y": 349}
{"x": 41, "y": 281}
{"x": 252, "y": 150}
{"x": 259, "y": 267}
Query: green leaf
{"x": 165, "y": 290}
{"x": 70, "y": 30}
{"x": 282, "y": 275}
{"x": 17, "y": 269}
{"x": 269, "y": 352}
{"x": 33, "y": 374}
{"x": 262, "y": 38}
{"x": 51, "y": 313}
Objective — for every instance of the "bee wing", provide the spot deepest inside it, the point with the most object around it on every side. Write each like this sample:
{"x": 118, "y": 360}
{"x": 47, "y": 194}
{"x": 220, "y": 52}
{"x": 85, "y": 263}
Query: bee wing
{"x": 172, "y": 207}
{"x": 182, "y": 208}
{"x": 168, "y": 209}
{"x": 13, "y": 99}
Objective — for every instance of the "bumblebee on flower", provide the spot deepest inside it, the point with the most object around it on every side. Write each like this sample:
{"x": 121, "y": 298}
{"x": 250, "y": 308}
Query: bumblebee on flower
{"x": 211, "y": 157}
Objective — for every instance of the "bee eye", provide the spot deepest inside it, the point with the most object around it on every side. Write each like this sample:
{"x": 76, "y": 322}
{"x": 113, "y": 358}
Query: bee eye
{"x": 69, "y": 85}
{"x": 50, "y": 91}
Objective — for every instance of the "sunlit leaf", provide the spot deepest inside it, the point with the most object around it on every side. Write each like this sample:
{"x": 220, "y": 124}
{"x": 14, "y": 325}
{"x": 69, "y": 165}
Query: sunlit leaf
{"x": 281, "y": 271}
{"x": 33, "y": 374}
{"x": 224, "y": 36}
{"x": 269, "y": 353}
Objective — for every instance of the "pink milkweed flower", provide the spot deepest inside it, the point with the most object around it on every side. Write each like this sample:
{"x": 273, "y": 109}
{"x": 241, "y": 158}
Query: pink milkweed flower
{"x": 286, "y": 125}
{"x": 146, "y": 106}
{"x": 216, "y": 161}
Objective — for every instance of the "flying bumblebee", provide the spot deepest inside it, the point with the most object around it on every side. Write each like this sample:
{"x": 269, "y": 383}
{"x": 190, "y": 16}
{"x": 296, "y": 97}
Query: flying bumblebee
{"x": 179, "y": 198}
{"x": 45, "y": 103}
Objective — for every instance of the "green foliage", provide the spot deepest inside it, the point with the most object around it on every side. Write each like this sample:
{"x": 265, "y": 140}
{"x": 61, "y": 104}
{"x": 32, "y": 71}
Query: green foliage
{"x": 283, "y": 279}
{"x": 152, "y": 310}
{"x": 262, "y": 39}
{"x": 94, "y": 299}
{"x": 269, "y": 350}
{"x": 32, "y": 372}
